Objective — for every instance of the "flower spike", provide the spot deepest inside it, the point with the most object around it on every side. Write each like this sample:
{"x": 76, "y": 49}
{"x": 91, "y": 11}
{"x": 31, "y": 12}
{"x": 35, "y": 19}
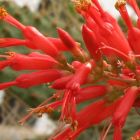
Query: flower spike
{"x": 108, "y": 77}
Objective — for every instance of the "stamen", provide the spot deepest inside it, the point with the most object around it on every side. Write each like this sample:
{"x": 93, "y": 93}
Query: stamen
{"x": 11, "y": 54}
{"x": 82, "y": 4}
{"x": 43, "y": 109}
{"x": 11, "y": 20}
{"x": 74, "y": 125}
{"x": 106, "y": 132}
{"x": 50, "y": 110}
{"x": 22, "y": 121}
{"x": 96, "y": 2}
{"x": 3, "y": 13}
{"x": 133, "y": 3}
{"x": 120, "y": 3}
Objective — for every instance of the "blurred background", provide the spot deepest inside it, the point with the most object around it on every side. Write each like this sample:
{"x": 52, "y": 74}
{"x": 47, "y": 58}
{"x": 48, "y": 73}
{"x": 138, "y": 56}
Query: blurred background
{"x": 46, "y": 16}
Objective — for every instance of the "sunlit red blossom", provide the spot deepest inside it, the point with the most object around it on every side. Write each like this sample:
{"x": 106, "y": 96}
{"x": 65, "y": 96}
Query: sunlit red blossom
{"x": 28, "y": 62}
{"x": 107, "y": 75}
{"x": 34, "y": 78}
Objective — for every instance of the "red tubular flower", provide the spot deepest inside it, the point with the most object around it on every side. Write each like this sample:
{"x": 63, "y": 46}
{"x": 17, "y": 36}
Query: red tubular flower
{"x": 31, "y": 34}
{"x": 120, "y": 114}
{"x": 24, "y": 62}
{"x": 103, "y": 76}
{"x": 8, "y": 18}
{"x": 133, "y": 3}
{"x": 87, "y": 117}
{"x": 61, "y": 82}
{"x": 72, "y": 45}
{"x": 111, "y": 35}
{"x": 109, "y": 29}
{"x": 4, "y": 64}
{"x": 76, "y": 64}
{"x": 91, "y": 41}
{"x": 118, "y": 83}
{"x": 8, "y": 42}
{"x": 82, "y": 119}
{"x": 90, "y": 92}
{"x": 71, "y": 81}
{"x": 90, "y": 115}
{"x": 40, "y": 41}
{"x": 73, "y": 86}
{"x": 80, "y": 76}
{"x": 112, "y": 52}
{"x": 108, "y": 18}
{"x": 133, "y": 33}
{"x": 117, "y": 133}
{"x": 34, "y": 78}
{"x": 91, "y": 24}
{"x": 58, "y": 43}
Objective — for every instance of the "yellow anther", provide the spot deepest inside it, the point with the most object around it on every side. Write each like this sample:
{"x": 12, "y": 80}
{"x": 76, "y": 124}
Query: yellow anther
{"x": 3, "y": 13}
{"x": 74, "y": 125}
{"x": 11, "y": 54}
{"x": 50, "y": 110}
{"x": 82, "y": 4}
{"x": 41, "y": 110}
{"x": 120, "y": 3}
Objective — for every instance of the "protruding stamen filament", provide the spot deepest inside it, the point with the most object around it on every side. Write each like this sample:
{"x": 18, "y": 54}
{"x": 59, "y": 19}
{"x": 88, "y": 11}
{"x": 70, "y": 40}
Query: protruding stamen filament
{"x": 133, "y": 3}
{"x": 3, "y": 13}
{"x": 11, "y": 20}
{"x": 98, "y": 6}
{"x": 106, "y": 132}
{"x": 120, "y": 5}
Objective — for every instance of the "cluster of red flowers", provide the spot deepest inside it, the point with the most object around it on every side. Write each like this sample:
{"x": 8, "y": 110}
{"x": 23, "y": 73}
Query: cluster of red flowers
{"x": 108, "y": 72}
